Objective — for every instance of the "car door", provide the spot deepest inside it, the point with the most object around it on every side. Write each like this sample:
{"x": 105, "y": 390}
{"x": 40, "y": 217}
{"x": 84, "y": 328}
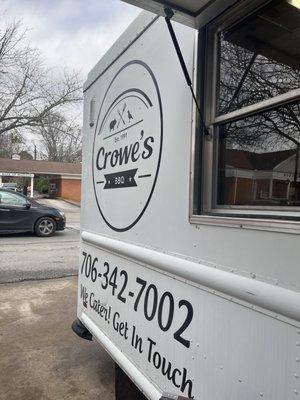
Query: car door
{"x": 14, "y": 214}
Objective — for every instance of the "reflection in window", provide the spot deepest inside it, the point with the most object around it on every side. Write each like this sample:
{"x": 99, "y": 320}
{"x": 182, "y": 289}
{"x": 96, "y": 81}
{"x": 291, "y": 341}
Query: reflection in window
{"x": 11, "y": 199}
{"x": 259, "y": 159}
{"x": 259, "y": 57}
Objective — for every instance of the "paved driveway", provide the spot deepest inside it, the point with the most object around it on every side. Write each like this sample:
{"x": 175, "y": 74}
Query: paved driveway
{"x": 41, "y": 358}
{"x": 28, "y": 257}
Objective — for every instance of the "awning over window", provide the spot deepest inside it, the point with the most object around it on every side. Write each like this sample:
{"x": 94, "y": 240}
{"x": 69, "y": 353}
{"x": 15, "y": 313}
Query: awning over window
{"x": 194, "y": 13}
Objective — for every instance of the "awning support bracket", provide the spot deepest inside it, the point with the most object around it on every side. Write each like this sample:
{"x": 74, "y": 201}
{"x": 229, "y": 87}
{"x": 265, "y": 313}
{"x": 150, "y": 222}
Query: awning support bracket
{"x": 168, "y": 16}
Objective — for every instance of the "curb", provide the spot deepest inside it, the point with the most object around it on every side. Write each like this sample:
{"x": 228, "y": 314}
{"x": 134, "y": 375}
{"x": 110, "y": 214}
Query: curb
{"x": 74, "y": 203}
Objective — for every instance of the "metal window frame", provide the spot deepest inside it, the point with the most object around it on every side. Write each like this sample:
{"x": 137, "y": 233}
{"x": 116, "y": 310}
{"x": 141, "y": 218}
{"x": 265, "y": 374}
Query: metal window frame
{"x": 203, "y": 206}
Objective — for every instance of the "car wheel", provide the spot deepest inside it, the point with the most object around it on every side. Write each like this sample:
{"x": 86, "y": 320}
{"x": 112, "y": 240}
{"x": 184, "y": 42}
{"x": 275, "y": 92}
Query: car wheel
{"x": 45, "y": 226}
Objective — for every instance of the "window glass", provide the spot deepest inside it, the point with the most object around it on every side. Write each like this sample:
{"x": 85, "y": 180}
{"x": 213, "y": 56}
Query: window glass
{"x": 11, "y": 199}
{"x": 259, "y": 159}
{"x": 259, "y": 58}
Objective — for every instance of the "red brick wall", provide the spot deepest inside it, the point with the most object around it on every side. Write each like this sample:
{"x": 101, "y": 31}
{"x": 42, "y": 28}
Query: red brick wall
{"x": 244, "y": 191}
{"x": 229, "y": 190}
{"x": 70, "y": 189}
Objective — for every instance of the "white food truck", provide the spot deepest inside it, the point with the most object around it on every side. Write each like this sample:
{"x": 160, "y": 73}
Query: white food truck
{"x": 189, "y": 272}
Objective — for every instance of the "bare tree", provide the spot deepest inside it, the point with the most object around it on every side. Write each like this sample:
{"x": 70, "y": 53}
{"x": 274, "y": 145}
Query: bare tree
{"x": 61, "y": 139}
{"x": 11, "y": 143}
{"x": 30, "y": 93}
{"x": 246, "y": 78}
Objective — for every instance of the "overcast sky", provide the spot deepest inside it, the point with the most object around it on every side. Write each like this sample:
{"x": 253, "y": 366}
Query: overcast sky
{"x": 71, "y": 33}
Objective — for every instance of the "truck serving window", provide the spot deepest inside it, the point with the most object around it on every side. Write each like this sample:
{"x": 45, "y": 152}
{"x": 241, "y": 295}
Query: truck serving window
{"x": 252, "y": 106}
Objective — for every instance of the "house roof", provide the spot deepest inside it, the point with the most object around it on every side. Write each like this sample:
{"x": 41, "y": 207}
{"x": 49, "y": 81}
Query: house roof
{"x": 39, "y": 167}
{"x": 258, "y": 161}
{"x": 238, "y": 159}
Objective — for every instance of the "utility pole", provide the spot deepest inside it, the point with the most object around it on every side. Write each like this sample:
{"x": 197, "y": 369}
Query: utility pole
{"x": 34, "y": 152}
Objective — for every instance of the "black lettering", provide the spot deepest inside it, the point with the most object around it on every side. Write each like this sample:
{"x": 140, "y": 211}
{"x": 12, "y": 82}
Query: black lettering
{"x": 165, "y": 327}
{"x": 166, "y": 369}
{"x": 82, "y": 291}
{"x": 101, "y": 150}
{"x": 156, "y": 360}
{"x": 124, "y": 155}
{"x": 105, "y": 158}
{"x": 149, "y": 150}
{"x": 186, "y": 323}
{"x": 150, "y": 316}
{"x": 136, "y": 341}
{"x": 116, "y": 323}
{"x": 186, "y": 383}
{"x": 120, "y": 297}
{"x": 176, "y": 370}
{"x": 135, "y": 150}
{"x": 150, "y": 348}
{"x": 114, "y": 158}
{"x": 97, "y": 305}
{"x": 102, "y": 311}
{"x": 91, "y": 299}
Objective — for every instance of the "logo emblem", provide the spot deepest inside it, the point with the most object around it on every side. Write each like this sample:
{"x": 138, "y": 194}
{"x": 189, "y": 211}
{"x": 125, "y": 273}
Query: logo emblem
{"x": 127, "y": 146}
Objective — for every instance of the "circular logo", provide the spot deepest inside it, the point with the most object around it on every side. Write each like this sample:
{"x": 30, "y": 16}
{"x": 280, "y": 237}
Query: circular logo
{"x": 127, "y": 146}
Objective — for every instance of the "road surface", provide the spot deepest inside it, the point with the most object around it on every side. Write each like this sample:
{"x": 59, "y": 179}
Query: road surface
{"x": 28, "y": 257}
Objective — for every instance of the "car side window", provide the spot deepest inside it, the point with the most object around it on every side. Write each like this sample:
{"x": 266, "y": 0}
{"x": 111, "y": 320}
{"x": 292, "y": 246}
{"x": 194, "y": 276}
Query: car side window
{"x": 11, "y": 199}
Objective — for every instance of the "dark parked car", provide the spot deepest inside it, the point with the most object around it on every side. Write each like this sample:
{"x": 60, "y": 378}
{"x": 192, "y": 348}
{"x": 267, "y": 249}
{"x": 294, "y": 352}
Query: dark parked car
{"x": 18, "y": 213}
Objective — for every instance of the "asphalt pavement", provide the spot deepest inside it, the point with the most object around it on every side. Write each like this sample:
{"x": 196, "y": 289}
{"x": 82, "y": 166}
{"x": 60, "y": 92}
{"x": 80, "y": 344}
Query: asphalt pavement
{"x": 41, "y": 358}
{"x": 28, "y": 257}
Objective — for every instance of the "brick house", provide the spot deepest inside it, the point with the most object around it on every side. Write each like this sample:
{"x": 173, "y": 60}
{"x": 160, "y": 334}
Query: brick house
{"x": 65, "y": 178}
{"x": 258, "y": 177}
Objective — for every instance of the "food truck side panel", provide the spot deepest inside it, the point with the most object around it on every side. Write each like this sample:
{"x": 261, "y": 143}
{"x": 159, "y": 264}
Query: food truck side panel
{"x": 174, "y": 303}
{"x": 247, "y": 251}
